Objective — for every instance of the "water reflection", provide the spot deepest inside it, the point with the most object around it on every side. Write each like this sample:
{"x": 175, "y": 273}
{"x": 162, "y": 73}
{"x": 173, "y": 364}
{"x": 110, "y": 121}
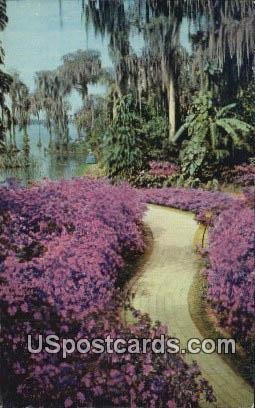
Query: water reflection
{"x": 44, "y": 163}
{"x": 55, "y": 28}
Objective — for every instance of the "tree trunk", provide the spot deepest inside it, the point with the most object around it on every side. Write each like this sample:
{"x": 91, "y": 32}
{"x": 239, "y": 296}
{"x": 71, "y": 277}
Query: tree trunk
{"x": 171, "y": 106}
{"x": 169, "y": 84}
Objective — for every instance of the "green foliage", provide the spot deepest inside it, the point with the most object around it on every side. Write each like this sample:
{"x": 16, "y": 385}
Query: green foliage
{"x": 124, "y": 142}
{"x": 91, "y": 122}
{"x": 78, "y": 148}
{"x": 5, "y": 82}
{"x": 3, "y": 15}
{"x": 135, "y": 135}
{"x": 246, "y": 98}
{"x": 193, "y": 157}
{"x": 145, "y": 179}
{"x": 213, "y": 135}
{"x": 26, "y": 146}
{"x": 93, "y": 171}
{"x": 155, "y": 129}
{"x": 78, "y": 69}
{"x": 11, "y": 158}
{"x": 20, "y": 102}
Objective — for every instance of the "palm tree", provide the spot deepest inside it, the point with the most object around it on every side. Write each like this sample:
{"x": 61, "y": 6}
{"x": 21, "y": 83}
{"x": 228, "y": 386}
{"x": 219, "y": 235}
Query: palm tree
{"x": 215, "y": 130}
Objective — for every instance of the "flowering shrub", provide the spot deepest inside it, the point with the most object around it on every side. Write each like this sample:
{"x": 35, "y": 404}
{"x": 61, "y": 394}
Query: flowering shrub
{"x": 131, "y": 380}
{"x": 242, "y": 174}
{"x": 249, "y": 196}
{"x": 163, "y": 168}
{"x": 159, "y": 174}
{"x": 231, "y": 278}
{"x": 231, "y": 275}
{"x": 63, "y": 246}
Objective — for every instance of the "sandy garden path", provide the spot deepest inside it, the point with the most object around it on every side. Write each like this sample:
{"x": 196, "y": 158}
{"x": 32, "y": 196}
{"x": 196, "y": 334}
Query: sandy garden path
{"x": 162, "y": 291}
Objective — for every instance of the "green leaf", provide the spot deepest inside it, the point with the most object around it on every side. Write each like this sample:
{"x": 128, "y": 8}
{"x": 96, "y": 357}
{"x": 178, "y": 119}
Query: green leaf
{"x": 213, "y": 134}
{"x": 180, "y": 131}
{"x": 240, "y": 125}
{"x": 222, "y": 111}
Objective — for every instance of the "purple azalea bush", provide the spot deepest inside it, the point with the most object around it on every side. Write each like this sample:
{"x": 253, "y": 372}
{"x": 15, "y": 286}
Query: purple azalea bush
{"x": 162, "y": 168}
{"x": 63, "y": 247}
{"x": 231, "y": 274}
{"x": 242, "y": 174}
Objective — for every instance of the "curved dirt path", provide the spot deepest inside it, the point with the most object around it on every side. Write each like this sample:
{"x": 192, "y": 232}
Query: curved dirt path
{"x": 162, "y": 291}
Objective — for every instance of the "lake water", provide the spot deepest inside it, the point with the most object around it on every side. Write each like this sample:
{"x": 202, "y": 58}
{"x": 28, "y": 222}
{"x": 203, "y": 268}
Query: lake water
{"x": 38, "y": 34}
{"x": 45, "y": 165}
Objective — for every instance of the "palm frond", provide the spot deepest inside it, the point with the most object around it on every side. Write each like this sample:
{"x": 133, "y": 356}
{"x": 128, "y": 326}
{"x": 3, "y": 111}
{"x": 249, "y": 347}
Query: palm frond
{"x": 180, "y": 131}
{"x": 213, "y": 134}
{"x": 221, "y": 112}
{"x": 221, "y": 153}
{"x": 184, "y": 127}
{"x": 240, "y": 125}
{"x": 224, "y": 124}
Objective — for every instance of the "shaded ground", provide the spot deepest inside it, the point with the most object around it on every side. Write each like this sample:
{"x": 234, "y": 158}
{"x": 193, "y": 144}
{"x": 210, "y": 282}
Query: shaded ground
{"x": 162, "y": 292}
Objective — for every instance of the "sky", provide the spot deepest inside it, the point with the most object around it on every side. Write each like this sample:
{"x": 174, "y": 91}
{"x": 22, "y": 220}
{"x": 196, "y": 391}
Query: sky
{"x": 35, "y": 39}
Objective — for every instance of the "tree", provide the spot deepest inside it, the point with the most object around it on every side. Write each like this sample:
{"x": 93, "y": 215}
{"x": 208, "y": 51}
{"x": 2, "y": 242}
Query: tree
{"x": 79, "y": 69}
{"x": 91, "y": 120}
{"x": 225, "y": 33}
{"x": 51, "y": 90}
{"x": 162, "y": 36}
{"x": 133, "y": 138}
{"x": 123, "y": 142}
{"x": 36, "y": 106}
{"x": 3, "y": 15}
{"x": 224, "y": 47}
{"x": 20, "y": 102}
{"x": 110, "y": 18}
{"x": 222, "y": 33}
{"x": 5, "y": 82}
{"x": 53, "y": 87}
